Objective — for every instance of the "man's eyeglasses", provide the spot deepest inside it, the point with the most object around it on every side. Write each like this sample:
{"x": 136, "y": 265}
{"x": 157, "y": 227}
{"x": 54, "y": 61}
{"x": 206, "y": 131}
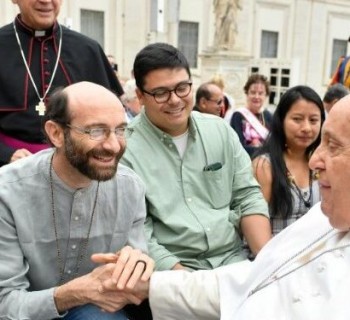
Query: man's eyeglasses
{"x": 99, "y": 134}
{"x": 218, "y": 102}
{"x": 182, "y": 90}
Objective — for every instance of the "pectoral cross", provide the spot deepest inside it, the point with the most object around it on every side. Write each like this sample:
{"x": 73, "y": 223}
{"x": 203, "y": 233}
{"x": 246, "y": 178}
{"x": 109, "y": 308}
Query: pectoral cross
{"x": 40, "y": 107}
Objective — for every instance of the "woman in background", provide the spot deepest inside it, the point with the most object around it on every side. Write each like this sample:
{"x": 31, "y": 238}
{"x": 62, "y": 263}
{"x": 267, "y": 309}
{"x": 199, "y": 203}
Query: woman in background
{"x": 253, "y": 122}
{"x": 281, "y": 164}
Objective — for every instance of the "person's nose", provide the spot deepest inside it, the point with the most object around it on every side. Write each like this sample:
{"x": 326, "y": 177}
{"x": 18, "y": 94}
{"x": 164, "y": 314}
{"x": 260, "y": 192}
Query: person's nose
{"x": 173, "y": 99}
{"x": 113, "y": 142}
{"x": 306, "y": 126}
{"x": 316, "y": 161}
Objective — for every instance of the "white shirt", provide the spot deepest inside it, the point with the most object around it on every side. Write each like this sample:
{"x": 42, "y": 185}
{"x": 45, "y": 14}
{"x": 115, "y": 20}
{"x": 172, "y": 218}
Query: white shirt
{"x": 310, "y": 279}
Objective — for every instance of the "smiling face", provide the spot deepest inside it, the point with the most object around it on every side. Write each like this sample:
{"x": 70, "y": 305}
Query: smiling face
{"x": 256, "y": 96}
{"x": 302, "y": 124}
{"x": 39, "y": 14}
{"x": 332, "y": 160}
{"x": 171, "y": 116}
{"x": 92, "y": 106}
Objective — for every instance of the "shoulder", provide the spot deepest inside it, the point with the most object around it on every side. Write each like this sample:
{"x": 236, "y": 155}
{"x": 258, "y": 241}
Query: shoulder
{"x": 262, "y": 161}
{"x": 262, "y": 167}
{"x": 214, "y": 126}
{"x": 6, "y": 31}
{"x": 127, "y": 175}
{"x": 237, "y": 116}
{"x": 205, "y": 119}
{"x": 77, "y": 39}
{"x": 26, "y": 171}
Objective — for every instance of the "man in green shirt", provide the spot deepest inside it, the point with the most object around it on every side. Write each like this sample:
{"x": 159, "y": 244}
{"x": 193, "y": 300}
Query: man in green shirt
{"x": 201, "y": 196}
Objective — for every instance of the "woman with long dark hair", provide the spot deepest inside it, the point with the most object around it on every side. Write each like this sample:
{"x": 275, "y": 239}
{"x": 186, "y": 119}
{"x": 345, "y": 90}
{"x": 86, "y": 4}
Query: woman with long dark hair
{"x": 281, "y": 164}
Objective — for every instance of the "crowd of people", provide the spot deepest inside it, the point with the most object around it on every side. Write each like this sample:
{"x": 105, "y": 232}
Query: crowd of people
{"x": 137, "y": 200}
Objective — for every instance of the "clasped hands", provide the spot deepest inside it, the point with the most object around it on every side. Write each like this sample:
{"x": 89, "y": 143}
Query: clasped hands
{"x": 126, "y": 273}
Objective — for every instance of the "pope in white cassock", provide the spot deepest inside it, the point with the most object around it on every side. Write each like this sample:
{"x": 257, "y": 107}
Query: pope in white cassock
{"x": 303, "y": 273}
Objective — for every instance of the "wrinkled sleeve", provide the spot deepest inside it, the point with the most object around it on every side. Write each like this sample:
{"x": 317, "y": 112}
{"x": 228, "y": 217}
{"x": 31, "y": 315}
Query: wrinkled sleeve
{"x": 15, "y": 301}
{"x": 247, "y": 198}
{"x": 179, "y": 295}
{"x": 137, "y": 237}
{"x": 164, "y": 259}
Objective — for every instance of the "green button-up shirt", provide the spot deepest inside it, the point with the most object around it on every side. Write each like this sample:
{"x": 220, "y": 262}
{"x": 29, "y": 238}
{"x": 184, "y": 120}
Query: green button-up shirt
{"x": 193, "y": 215}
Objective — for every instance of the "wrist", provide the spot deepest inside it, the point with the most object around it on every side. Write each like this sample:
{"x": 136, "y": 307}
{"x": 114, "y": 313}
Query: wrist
{"x": 67, "y": 296}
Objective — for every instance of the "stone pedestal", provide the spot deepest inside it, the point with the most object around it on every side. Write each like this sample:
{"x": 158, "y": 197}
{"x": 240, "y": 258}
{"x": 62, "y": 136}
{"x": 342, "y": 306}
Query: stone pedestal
{"x": 232, "y": 66}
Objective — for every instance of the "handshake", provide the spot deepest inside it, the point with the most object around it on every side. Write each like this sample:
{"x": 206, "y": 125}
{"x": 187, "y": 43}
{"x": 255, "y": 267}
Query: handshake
{"x": 121, "y": 279}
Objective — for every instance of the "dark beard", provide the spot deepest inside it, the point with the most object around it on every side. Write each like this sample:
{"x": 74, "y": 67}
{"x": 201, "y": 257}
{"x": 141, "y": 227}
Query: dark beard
{"x": 80, "y": 160}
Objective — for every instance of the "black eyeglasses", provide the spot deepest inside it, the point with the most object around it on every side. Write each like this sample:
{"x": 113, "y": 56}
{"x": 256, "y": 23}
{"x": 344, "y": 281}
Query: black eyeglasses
{"x": 162, "y": 95}
{"x": 100, "y": 133}
{"x": 218, "y": 102}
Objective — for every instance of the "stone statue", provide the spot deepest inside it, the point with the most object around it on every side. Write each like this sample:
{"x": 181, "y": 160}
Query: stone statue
{"x": 226, "y": 23}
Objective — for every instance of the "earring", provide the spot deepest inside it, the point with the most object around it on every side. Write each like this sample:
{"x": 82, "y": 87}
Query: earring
{"x": 316, "y": 175}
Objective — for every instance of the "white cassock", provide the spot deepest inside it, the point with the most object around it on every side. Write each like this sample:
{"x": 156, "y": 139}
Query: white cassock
{"x": 301, "y": 274}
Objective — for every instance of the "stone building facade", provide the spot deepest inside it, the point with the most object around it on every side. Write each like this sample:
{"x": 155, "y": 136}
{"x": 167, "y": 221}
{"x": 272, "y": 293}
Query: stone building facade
{"x": 290, "y": 41}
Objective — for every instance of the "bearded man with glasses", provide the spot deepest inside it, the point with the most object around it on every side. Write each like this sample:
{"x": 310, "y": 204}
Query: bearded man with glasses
{"x": 63, "y": 207}
{"x": 200, "y": 193}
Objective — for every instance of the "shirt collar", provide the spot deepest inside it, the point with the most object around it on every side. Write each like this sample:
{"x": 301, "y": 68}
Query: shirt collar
{"x": 192, "y": 130}
{"x": 20, "y": 25}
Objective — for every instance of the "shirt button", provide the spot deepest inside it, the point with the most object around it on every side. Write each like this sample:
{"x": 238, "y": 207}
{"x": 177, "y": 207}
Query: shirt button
{"x": 76, "y": 218}
{"x": 46, "y": 73}
{"x": 189, "y": 199}
{"x": 69, "y": 271}
{"x": 208, "y": 229}
{"x": 46, "y": 60}
{"x": 46, "y": 48}
{"x": 74, "y": 246}
{"x": 170, "y": 145}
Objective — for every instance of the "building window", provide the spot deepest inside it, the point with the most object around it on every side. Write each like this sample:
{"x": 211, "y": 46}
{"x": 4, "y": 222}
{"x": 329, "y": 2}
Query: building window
{"x": 188, "y": 41}
{"x": 269, "y": 43}
{"x": 339, "y": 49}
{"x": 92, "y": 25}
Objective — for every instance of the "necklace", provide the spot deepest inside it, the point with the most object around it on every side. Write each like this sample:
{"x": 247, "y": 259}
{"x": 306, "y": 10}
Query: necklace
{"x": 40, "y": 107}
{"x": 272, "y": 277}
{"x": 307, "y": 202}
{"x": 83, "y": 241}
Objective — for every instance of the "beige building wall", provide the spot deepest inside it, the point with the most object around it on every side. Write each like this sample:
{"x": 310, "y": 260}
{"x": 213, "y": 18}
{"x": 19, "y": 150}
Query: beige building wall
{"x": 306, "y": 30}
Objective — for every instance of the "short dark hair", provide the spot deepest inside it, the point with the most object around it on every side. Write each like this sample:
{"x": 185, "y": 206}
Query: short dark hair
{"x": 158, "y": 56}
{"x": 335, "y": 92}
{"x": 203, "y": 92}
{"x": 257, "y": 78}
{"x": 57, "y": 109}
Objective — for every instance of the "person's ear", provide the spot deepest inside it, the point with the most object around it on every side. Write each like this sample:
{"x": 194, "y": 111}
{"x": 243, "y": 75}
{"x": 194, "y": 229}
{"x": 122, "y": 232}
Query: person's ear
{"x": 140, "y": 96}
{"x": 202, "y": 103}
{"x": 55, "y": 132}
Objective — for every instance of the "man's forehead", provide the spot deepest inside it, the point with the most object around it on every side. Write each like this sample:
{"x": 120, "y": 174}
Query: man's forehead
{"x": 166, "y": 76}
{"x": 337, "y": 124}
